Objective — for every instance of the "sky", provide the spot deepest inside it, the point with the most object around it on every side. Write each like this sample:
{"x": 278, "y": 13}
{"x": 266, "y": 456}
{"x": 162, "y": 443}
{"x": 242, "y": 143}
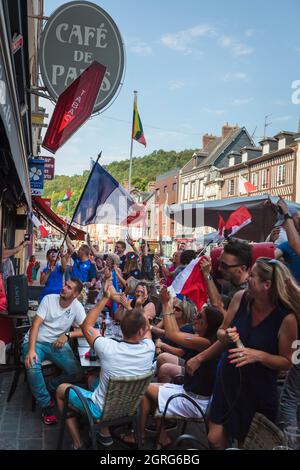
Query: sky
{"x": 196, "y": 65}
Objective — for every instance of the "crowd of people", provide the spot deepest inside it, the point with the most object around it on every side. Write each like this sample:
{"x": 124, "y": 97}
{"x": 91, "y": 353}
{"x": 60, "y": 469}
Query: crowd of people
{"x": 226, "y": 355}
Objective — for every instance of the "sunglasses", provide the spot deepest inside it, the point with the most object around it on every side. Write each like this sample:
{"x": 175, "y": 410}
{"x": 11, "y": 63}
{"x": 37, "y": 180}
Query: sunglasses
{"x": 178, "y": 309}
{"x": 226, "y": 266}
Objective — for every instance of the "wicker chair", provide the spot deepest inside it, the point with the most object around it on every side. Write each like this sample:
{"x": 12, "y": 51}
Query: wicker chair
{"x": 122, "y": 400}
{"x": 263, "y": 434}
{"x": 201, "y": 419}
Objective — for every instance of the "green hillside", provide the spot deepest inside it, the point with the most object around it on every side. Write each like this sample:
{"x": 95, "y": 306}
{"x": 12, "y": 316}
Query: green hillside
{"x": 144, "y": 170}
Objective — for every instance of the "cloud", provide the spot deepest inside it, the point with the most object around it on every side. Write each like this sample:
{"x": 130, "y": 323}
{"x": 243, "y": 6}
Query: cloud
{"x": 249, "y": 33}
{"x": 181, "y": 41}
{"x": 234, "y": 76}
{"x": 241, "y": 101}
{"x": 217, "y": 112}
{"x": 237, "y": 48}
{"x": 142, "y": 49}
{"x": 176, "y": 84}
{"x": 282, "y": 118}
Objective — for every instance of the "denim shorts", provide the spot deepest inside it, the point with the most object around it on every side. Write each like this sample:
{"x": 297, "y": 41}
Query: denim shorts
{"x": 76, "y": 402}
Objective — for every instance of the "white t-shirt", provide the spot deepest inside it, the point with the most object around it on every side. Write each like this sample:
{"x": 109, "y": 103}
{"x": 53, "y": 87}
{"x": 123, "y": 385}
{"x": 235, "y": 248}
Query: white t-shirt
{"x": 57, "y": 320}
{"x": 121, "y": 359}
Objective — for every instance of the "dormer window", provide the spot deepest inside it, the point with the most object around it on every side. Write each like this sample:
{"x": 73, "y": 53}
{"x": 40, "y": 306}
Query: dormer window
{"x": 231, "y": 161}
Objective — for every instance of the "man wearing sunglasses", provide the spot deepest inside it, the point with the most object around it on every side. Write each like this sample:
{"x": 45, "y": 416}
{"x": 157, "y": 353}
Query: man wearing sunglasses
{"x": 234, "y": 265}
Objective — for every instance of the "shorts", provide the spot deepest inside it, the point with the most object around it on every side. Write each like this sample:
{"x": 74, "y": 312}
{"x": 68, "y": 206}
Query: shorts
{"x": 76, "y": 402}
{"x": 179, "y": 406}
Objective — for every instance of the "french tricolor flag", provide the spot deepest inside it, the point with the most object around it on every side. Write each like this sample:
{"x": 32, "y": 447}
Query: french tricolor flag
{"x": 190, "y": 282}
{"x": 105, "y": 201}
{"x": 42, "y": 231}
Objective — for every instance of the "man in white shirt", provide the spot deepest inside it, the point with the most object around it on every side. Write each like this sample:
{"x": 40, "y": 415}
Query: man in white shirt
{"x": 131, "y": 357}
{"x": 48, "y": 339}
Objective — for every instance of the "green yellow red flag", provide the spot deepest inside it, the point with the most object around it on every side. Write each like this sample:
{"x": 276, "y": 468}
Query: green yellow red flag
{"x": 137, "y": 128}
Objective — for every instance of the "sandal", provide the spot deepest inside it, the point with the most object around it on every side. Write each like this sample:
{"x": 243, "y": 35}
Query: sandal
{"x": 129, "y": 439}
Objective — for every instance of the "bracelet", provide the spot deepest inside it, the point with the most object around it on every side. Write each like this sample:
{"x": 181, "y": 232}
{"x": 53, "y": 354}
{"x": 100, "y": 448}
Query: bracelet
{"x": 168, "y": 313}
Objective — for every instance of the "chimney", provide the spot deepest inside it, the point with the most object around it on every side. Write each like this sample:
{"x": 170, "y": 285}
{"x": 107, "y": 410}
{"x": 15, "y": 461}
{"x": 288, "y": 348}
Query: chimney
{"x": 206, "y": 139}
{"x": 226, "y": 129}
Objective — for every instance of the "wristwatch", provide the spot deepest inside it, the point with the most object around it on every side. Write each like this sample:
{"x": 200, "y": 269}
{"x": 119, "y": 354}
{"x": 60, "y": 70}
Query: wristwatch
{"x": 287, "y": 216}
{"x": 209, "y": 278}
{"x": 68, "y": 335}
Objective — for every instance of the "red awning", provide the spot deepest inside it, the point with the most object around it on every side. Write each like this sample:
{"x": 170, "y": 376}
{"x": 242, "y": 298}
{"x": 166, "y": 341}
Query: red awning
{"x": 53, "y": 219}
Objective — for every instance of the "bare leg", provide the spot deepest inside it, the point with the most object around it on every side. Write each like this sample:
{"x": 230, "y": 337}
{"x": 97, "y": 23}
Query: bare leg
{"x": 71, "y": 423}
{"x": 217, "y": 437}
{"x": 148, "y": 404}
{"x": 167, "y": 372}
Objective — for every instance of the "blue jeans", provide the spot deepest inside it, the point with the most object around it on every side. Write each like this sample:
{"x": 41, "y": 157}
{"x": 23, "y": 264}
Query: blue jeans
{"x": 290, "y": 398}
{"x": 63, "y": 358}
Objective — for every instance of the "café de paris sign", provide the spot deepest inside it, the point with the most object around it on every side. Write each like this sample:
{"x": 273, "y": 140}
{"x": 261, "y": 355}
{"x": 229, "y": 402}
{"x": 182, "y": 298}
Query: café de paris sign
{"x": 75, "y": 35}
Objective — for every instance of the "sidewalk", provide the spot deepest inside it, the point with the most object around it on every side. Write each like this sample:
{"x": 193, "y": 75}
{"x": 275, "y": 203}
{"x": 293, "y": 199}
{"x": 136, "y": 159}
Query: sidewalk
{"x": 22, "y": 429}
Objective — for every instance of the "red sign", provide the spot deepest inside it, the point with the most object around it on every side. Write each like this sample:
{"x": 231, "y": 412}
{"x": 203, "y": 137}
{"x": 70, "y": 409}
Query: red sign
{"x": 49, "y": 167}
{"x": 74, "y": 107}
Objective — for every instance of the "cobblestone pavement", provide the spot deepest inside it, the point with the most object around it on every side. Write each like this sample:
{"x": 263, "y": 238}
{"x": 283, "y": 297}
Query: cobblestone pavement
{"x": 23, "y": 429}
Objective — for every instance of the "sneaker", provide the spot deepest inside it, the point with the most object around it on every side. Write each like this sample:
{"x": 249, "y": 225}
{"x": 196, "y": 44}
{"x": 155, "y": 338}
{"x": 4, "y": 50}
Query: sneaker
{"x": 48, "y": 416}
{"x": 104, "y": 440}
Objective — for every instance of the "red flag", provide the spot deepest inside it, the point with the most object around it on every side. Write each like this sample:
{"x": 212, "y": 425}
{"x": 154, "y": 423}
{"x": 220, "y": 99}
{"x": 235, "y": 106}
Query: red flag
{"x": 237, "y": 220}
{"x": 221, "y": 226}
{"x": 68, "y": 195}
{"x": 190, "y": 282}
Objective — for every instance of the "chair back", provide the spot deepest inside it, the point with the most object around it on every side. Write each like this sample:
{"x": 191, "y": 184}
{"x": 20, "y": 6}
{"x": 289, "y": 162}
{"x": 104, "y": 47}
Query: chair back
{"x": 263, "y": 434}
{"x": 123, "y": 396}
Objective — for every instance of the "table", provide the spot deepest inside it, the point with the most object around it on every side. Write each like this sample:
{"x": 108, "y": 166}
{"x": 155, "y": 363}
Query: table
{"x": 83, "y": 346}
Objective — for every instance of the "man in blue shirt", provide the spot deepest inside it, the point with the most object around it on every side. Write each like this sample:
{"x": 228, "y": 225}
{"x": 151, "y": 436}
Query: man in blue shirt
{"x": 291, "y": 259}
{"x": 52, "y": 274}
{"x": 83, "y": 268}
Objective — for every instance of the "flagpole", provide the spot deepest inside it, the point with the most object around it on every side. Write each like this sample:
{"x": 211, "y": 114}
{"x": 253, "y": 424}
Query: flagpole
{"x": 79, "y": 201}
{"x": 131, "y": 148}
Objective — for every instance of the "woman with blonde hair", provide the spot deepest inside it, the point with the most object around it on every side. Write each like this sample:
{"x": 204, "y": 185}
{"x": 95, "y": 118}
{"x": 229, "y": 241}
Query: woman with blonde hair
{"x": 263, "y": 319}
{"x": 171, "y": 355}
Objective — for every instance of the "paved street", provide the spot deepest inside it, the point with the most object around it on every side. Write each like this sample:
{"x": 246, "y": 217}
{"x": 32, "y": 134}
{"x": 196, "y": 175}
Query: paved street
{"x": 22, "y": 429}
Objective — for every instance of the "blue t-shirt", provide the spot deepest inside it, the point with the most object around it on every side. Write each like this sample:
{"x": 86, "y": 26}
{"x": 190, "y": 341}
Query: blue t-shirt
{"x": 83, "y": 270}
{"x": 54, "y": 283}
{"x": 291, "y": 258}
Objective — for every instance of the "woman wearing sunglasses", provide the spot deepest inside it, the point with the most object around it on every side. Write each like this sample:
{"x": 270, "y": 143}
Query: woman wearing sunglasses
{"x": 262, "y": 318}
{"x": 198, "y": 387}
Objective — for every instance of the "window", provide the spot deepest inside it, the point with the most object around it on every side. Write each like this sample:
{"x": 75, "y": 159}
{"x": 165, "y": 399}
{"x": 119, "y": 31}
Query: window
{"x": 265, "y": 179}
{"x": 174, "y": 187}
{"x": 157, "y": 193}
{"x": 200, "y": 188}
{"x": 165, "y": 189}
{"x": 280, "y": 174}
{"x": 185, "y": 191}
{"x": 254, "y": 179}
{"x": 230, "y": 187}
{"x": 231, "y": 161}
{"x": 192, "y": 192}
